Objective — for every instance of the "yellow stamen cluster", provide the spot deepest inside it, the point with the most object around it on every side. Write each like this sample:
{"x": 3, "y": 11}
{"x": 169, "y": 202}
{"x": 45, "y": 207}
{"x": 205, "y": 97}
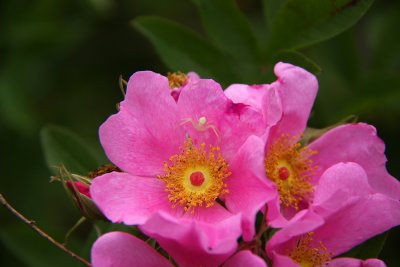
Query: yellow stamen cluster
{"x": 177, "y": 79}
{"x": 190, "y": 160}
{"x": 308, "y": 255}
{"x": 288, "y": 165}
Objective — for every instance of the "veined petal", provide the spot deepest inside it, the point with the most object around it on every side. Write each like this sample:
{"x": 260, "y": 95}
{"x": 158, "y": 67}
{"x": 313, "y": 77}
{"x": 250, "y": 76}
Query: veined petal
{"x": 192, "y": 242}
{"x": 354, "y": 224}
{"x": 340, "y": 185}
{"x": 130, "y": 199}
{"x": 349, "y": 262}
{"x": 247, "y": 185}
{"x": 239, "y": 122}
{"x": 296, "y": 89}
{"x": 146, "y": 131}
{"x": 251, "y": 95}
{"x": 118, "y": 249}
{"x": 203, "y": 97}
{"x": 283, "y": 240}
{"x": 245, "y": 258}
{"x": 279, "y": 260}
{"x": 357, "y": 143}
{"x": 208, "y": 116}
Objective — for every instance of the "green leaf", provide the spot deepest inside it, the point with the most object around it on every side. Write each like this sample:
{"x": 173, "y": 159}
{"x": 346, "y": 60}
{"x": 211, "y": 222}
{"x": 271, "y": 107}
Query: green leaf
{"x": 183, "y": 49}
{"x": 369, "y": 249}
{"x": 302, "y": 23}
{"x": 230, "y": 31}
{"x": 270, "y": 8}
{"x": 298, "y": 59}
{"x": 63, "y": 147}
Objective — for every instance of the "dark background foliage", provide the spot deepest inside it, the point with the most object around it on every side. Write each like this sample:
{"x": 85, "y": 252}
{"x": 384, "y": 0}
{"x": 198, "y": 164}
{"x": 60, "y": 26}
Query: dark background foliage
{"x": 60, "y": 62}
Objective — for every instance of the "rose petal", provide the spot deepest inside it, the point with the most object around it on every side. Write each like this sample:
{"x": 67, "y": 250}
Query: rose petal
{"x": 245, "y": 258}
{"x": 251, "y": 95}
{"x": 304, "y": 222}
{"x": 279, "y": 260}
{"x": 349, "y": 262}
{"x": 238, "y": 123}
{"x": 130, "y": 199}
{"x": 226, "y": 124}
{"x": 194, "y": 243}
{"x": 146, "y": 131}
{"x": 118, "y": 249}
{"x": 357, "y": 143}
{"x": 296, "y": 89}
{"x": 340, "y": 184}
{"x": 350, "y": 226}
{"x": 248, "y": 188}
{"x": 202, "y": 99}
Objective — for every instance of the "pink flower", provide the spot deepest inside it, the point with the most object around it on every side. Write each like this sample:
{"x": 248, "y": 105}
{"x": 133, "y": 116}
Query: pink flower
{"x": 120, "y": 249}
{"x": 346, "y": 212}
{"x": 294, "y": 169}
{"x": 181, "y": 157}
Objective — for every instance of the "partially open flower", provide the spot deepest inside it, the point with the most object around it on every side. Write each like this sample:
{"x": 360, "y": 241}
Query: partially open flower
{"x": 295, "y": 168}
{"x": 346, "y": 212}
{"x": 78, "y": 187}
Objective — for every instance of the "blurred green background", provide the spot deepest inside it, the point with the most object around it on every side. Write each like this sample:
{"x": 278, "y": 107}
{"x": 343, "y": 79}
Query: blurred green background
{"x": 60, "y": 62}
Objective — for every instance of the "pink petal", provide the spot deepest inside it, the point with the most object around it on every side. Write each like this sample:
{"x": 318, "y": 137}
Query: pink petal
{"x": 146, "y": 131}
{"x": 239, "y": 122}
{"x": 296, "y": 89}
{"x": 245, "y": 258}
{"x": 284, "y": 240}
{"x": 251, "y": 95}
{"x": 193, "y": 76}
{"x": 248, "y": 189}
{"x": 202, "y": 98}
{"x": 272, "y": 107}
{"x": 227, "y": 125}
{"x": 339, "y": 186}
{"x": 118, "y": 249}
{"x": 350, "y": 226}
{"x": 263, "y": 98}
{"x": 215, "y": 213}
{"x": 279, "y": 260}
{"x": 192, "y": 242}
{"x": 357, "y": 143}
{"x": 130, "y": 199}
{"x": 274, "y": 216}
{"x": 349, "y": 262}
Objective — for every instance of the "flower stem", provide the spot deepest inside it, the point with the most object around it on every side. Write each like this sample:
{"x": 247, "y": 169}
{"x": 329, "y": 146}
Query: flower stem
{"x": 32, "y": 224}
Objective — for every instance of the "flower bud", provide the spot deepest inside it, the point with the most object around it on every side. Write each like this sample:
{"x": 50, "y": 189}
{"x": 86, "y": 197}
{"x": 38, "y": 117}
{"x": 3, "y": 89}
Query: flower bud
{"x": 78, "y": 187}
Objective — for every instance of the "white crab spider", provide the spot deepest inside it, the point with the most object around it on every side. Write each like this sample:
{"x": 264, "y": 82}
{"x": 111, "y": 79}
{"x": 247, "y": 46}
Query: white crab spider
{"x": 202, "y": 125}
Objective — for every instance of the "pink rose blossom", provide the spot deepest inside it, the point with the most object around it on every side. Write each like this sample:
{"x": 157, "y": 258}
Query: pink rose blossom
{"x": 180, "y": 154}
{"x": 346, "y": 212}
{"x": 294, "y": 169}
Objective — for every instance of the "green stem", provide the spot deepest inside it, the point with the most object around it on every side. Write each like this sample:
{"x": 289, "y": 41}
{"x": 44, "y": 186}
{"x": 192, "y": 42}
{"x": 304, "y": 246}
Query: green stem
{"x": 32, "y": 224}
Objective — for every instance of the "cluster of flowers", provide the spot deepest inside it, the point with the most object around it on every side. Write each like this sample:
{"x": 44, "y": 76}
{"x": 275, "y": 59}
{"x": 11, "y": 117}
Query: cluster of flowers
{"x": 226, "y": 178}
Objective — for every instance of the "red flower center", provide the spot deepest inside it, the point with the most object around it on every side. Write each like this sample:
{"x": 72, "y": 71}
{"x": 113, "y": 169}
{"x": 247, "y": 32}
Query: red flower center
{"x": 197, "y": 178}
{"x": 283, "y": 173}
